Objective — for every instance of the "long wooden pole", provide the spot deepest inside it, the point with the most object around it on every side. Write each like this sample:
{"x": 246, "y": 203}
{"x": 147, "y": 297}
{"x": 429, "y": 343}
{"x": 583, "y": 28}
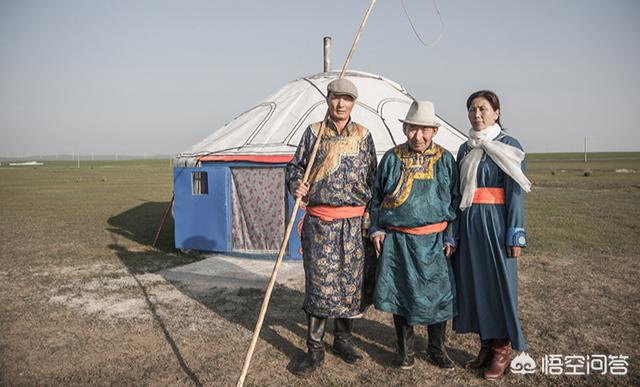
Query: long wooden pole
{"x": 164, "y": 219}
{"x": 287, "y": 233}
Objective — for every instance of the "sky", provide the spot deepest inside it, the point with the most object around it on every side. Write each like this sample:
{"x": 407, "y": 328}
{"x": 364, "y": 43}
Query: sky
{"x": 157, "y": 76}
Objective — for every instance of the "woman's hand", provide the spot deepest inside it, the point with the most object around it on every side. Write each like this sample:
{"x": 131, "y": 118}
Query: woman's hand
{"x": 300, "y": 189}
{"x": 378, "y": 241}
{"x": 514, "y": 251}
{"x": 448, "y": 250}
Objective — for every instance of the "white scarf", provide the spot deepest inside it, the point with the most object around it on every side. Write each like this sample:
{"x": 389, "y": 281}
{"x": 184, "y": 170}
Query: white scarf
{"x": 506, "y": 157}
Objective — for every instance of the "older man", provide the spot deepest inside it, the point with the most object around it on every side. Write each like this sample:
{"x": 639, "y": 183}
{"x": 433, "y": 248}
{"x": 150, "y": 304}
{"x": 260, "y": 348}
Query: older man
{"x": 412, "y": 212}
{"x": 336, "y": 196}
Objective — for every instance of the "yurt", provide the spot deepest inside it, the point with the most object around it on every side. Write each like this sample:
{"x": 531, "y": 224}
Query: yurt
{"x": 229, "y": 190}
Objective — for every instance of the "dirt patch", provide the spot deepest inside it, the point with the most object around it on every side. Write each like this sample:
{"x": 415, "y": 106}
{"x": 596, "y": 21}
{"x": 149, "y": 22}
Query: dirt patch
{"x": 199, "y": 335}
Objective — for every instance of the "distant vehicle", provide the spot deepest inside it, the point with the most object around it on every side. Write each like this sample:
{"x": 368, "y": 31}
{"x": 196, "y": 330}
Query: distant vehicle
{"x": 25, "y": 163}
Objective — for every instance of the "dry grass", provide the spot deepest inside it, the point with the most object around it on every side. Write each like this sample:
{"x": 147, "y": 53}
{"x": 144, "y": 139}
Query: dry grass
{"x": 83, "y": 300}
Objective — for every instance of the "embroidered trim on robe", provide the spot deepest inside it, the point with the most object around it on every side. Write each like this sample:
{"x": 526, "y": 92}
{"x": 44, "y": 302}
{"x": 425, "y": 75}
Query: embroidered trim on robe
{"x": 336, "y": 146}
{"x": 414, "y": 166}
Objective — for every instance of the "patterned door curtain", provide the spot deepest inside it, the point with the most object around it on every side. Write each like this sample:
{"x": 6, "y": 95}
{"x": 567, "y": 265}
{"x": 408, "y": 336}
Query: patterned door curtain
{"x": 258, "y": 207}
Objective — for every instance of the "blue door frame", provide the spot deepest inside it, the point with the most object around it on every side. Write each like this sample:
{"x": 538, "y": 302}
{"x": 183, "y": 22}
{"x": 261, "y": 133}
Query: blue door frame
{"x": 203, "y": 222}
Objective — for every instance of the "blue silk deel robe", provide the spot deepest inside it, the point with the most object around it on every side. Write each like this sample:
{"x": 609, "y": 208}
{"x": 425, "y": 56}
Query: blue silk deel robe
{"x": 339, "y": 263}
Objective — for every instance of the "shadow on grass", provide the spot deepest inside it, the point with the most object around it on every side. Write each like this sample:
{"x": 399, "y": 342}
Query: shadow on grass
{"x": 141, "y": 223}
{"x": 284, "y": 327}
{"x": 132, "y": 261}
{"x": 235, "y": 304}
{"x": 376, "y": 340}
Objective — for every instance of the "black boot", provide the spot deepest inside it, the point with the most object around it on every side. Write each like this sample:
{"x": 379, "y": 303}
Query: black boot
{"x": 404, "y": 333}
{"x": 342, "y": 345}
{"x": 315, "y": 346}
{"x": 437, "y": 351}
{"x": 484, "y": 356}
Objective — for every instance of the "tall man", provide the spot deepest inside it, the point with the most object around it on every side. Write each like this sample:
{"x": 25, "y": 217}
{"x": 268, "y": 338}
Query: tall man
{"x": 412, "y": 212}
{"x": 336, "y": 195}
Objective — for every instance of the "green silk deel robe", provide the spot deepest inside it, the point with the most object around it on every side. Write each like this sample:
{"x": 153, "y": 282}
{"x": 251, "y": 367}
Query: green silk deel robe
{"x": 414, "y": 277}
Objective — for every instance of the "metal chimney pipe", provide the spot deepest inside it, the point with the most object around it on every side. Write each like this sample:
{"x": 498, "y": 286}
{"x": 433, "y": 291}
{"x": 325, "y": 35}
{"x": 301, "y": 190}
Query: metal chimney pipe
{"x": 327, "y": 53}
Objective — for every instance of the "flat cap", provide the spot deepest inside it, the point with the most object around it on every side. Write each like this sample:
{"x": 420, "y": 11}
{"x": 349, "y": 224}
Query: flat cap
{"x": 342, "y": 87}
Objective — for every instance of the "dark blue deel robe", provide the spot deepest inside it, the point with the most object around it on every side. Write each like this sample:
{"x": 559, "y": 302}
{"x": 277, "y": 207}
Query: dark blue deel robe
{"x": 339, "y": 263}
{"x": 486, "y": 279}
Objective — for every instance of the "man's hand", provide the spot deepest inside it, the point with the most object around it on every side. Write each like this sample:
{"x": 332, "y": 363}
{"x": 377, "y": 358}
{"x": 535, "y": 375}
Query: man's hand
{"x": 300, "y": 189}
{"x": 448, "y": 250}
{"x": 378, "y": 241}
{"x": 514, "y": 251}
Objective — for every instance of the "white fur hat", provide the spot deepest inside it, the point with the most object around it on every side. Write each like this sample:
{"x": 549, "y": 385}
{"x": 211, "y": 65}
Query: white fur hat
{"x": 421, "y": 113}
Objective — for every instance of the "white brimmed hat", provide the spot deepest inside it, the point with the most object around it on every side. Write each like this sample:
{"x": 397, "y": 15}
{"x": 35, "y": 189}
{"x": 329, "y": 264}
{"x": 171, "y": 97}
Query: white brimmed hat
{"x": 421, "y": 113}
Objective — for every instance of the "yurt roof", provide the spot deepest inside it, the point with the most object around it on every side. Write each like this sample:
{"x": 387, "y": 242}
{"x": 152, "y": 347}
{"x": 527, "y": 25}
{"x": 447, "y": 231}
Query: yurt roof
{"x": 271, "y": 130}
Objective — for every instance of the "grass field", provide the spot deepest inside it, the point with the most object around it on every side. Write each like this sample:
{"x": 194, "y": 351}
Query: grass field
{"x": 83, "y": 300}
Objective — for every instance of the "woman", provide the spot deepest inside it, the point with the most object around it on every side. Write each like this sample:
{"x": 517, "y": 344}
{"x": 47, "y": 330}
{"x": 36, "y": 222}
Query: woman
{"x": 492, "y": 183}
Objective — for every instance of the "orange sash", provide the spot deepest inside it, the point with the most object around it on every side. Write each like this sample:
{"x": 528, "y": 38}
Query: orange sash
{"x": 422, "y": 230}
{"x": 329, "y": 213}
{"x": 488, "y": 196}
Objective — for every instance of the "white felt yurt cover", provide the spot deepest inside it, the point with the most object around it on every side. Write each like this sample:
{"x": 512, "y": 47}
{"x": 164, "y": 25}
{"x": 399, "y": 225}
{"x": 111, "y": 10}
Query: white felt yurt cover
{"x": 272, "y": 129}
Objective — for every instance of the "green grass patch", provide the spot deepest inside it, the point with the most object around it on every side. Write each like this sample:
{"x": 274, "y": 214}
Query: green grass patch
{"x": 568, "y": 212}
{"x": 58, "y": 204}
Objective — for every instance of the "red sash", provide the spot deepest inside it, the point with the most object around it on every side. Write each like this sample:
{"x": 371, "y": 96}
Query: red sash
{"x": 422, "y": 230}
{"x": 488, "y": 196}
{"x": 329, "y": 213}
